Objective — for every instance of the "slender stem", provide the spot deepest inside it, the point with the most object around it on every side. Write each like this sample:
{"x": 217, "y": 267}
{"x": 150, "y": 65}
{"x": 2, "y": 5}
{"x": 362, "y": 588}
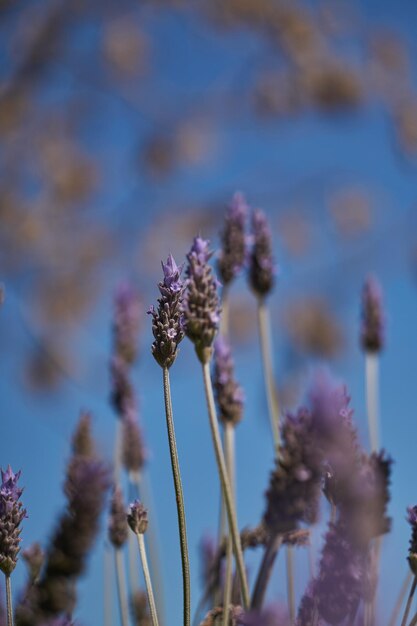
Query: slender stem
{"x": 409, "y": 601}
{"x": 143, "y": 491}
{"x": 372, "y": 398}
{"x": 133, "y": 570}
{"x": 265, "y": 571}
{"x": 9, "y": 601}
{"x": 270, "y": 387}
{"x": 377, "y": 547}
{"x": 400, "y": 599}
{"x": 413, "y": 621}
{"x": 229, "y": 439}
{"x": 108, "y": 586}
{"x": 224, "y": 481}
{"x": 121, "y": 587}
{"x": 147, "y": 576}
{"x": 290, "y": 582}
{"x": 179, "y": 498}
{"x": 224, "y": 319}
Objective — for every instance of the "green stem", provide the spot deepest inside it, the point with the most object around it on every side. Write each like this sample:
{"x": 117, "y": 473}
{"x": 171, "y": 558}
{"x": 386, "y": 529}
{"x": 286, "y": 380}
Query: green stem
{"x": 224, "y": 319}
{"x": 108, "y": 586}
{"x": 290, "y": 583}
{"x": 409, "y": 601}
{"x": 225, "y": 485}
{"x": 400, "y": 599}
{"x": 413, "y": 621}
{"x": 148, "y": 583}
{"x": 270, "y": 387}
{"x": 179, "y": 498}
{"x": 265, "y": 571}
{"x": 229, "y": 439}
{"x": 121, "y": 587}
{"x": 371, "y": 375}
{"x": 143, "y": 491}
{"x": 9, "y": 601}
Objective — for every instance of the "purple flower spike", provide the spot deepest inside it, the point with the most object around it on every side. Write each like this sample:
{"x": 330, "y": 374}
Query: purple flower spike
{"x": 372, "y": 329}
{"x": 137, "y": 518}
{"x": 172, "y": 274}
{"x": 412, "y": 552}
{"x": 167, "y": 322}
{"x": 12, "y": 514}
{"x": 294, "y": 487}
{"x": 233, "y": 253}
{"x": 127, "y": 317}
{"x": 201, "y": 303}
{"x": 338, "y": 586}
{"x": 117, "y": 522}
{"x": 133, "y": 449}
{"x": 261, "y": 263}
{"x": 229, "y": 394}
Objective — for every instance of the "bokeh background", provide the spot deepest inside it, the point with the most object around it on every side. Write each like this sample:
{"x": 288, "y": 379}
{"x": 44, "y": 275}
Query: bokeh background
{"x": 125, "y": 128}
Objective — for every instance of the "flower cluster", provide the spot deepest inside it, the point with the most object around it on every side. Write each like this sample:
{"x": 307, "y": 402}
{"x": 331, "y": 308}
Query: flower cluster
{"x": 412, "y": 552}
{"x": 295, "y": 484}
{"x": 261, "y": 263}
{"x": 372, "y": 330}
{"x": 12, "y": 514}
{"x": 232, "y": 255}
{"x": 137, "y": 518}
{"x": 125, "y": 330}
{"x": 117, "y": 520}
{"x": 126, "y": 322}
{"x": 167, "y": 319}
{"x": 201, "y": 302}
{"x": 229, "y": 394}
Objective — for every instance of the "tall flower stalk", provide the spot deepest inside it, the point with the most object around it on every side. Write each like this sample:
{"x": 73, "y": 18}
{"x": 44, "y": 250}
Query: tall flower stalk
{"x": 138, "y": 522}
{"x": 202, "y": 317}
{"x": 372, "y": 341}
{"x": 167, "y": 328}
{"x": 12, "y": 514}
{"x": 230, "y": 262}
{"x": 229, "y": 398}
{"x": 262, "y": 279}
{"x": 118, "y": 534}
{"x": 232, "y": 254}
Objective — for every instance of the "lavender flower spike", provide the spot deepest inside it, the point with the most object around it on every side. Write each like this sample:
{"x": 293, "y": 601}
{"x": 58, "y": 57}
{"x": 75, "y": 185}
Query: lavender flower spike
{"x": 229, "y": 394}
{"x": 261, "y": 263}
{"x": 127, "y": 316}
{"x": 12, "y": 514}
{"x": 233, "y": 253}
{"x": 338, "y": 585}
{"x": 372, "y": 331}
{"x": 412, "y": 552}
{"x": 201, "y": 304}
{"x": 117, "y": 523}
{"x": 137, "y": 518}
{"x": 167, "y": 326}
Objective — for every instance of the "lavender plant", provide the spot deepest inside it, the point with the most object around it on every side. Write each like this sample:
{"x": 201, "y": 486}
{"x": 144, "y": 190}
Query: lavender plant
{"x": 201, "y": 321}
{"x": 12, "y": 514}
{"x": 318, "y": 457}
{"x": 138, "y": 521}
{"x": 372, "y": 342}
{"x": 168, "y": 332}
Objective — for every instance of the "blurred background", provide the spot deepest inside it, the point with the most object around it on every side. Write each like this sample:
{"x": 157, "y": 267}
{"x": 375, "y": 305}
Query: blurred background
{"x": 125, "y": 128}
